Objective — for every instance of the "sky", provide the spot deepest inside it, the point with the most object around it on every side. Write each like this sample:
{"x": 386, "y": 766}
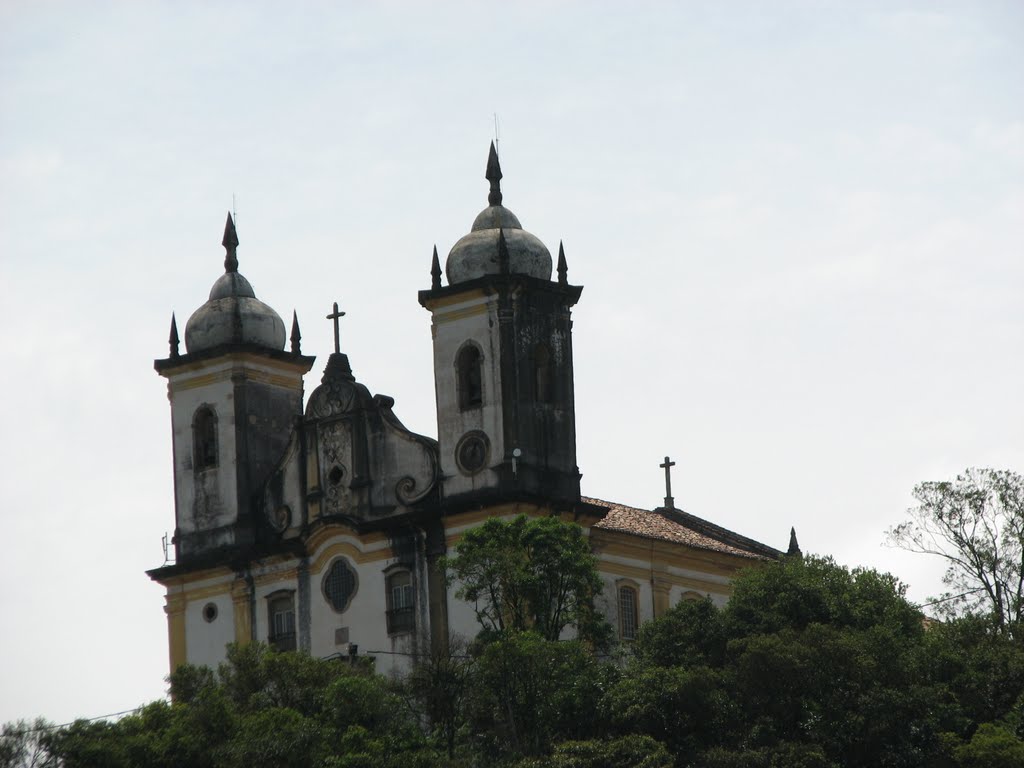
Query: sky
{"x": 799, "y": 225}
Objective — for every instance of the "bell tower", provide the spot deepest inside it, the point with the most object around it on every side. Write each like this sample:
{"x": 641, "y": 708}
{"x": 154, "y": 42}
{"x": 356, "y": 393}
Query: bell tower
{"x": 503, "y": 372}
{"x": 235, "y": 395}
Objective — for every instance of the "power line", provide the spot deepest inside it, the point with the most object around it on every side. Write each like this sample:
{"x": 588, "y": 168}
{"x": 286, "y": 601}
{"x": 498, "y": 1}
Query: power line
{"x": 55, "y": 726}
{"x": 950, "y": 597}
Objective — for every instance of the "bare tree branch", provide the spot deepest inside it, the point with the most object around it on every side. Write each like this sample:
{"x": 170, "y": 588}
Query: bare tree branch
{"x": 976, "y": 524}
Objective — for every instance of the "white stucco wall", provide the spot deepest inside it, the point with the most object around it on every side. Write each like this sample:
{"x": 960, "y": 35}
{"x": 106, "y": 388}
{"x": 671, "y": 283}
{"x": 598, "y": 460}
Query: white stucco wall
{"x": 205, "y": 641}
{"x": 220, "y": 481}
{"x": 474, "y": 320}
{"x": 365, "y": 617}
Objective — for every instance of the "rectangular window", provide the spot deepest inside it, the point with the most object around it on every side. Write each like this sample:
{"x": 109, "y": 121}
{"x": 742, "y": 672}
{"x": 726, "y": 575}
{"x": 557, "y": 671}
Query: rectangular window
{"x": 627, "y": 613}
{"x": 401, "y": 609}
{"x": 401, "y": 596}
{"x": 281, "y": 615}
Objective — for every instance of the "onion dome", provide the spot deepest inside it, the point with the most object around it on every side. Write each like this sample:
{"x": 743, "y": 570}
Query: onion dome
{"x": 233, "y": 314}
{"x": 478, "y": 253}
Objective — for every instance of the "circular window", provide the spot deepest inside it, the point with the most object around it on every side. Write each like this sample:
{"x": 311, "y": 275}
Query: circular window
{"x": 340, "y": 584}
{"x": 209, "y": 612}
{"x": 472, "y": 452}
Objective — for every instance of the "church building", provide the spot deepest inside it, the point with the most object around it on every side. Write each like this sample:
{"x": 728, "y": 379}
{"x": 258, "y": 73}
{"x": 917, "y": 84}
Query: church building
{"x": 319, "y": 525}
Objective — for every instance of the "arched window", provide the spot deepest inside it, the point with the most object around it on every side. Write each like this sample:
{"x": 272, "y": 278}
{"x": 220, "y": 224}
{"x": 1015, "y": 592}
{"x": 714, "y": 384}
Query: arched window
{"x": 542, "y": 373}
{"x": 629, "y": 620}
{"x": 401, "y": 602}
{"x": 204, "y": 439}
{"x": 470, "y": 371}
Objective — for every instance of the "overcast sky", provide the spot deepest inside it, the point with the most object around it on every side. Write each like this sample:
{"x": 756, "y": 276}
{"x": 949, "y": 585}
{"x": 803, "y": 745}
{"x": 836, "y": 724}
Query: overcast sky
{"x": 800, "y": 232}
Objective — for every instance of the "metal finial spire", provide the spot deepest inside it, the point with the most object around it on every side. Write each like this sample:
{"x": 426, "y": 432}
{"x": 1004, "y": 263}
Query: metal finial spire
{"x": 296, "y": 336}
{"x": 435, "y": 271}
{"x": 563, "y": 269}
{"x": 794, "y": 545}
{"x": 493, "y": 175}
{"x": 335, "y": 316}
{"x": 230, "y": 243}
{"x": 670, "y": 503}
{"x": 504, "y": 263}
{"x": 172, "y": 340}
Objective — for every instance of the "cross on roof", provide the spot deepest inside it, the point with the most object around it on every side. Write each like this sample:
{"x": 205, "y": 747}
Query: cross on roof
{"x": 667, "y": 466}
{"x": 335, "y": 316}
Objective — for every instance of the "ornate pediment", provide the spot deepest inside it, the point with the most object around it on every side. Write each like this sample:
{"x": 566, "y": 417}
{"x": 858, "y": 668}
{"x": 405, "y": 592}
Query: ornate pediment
{"x": 367, "y": 464}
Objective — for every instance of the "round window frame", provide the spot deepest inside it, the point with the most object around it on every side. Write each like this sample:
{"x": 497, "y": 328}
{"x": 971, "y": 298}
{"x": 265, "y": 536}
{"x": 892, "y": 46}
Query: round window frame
{"x": 327, "y": 575}
{"x": 210, "y": 613}
{"x": 475, "y": 434}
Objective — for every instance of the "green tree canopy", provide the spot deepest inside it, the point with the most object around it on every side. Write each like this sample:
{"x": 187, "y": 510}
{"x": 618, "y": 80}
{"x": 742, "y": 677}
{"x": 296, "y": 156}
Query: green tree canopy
{"x": 810, "y": 665}
{"x": 535, "y": 574}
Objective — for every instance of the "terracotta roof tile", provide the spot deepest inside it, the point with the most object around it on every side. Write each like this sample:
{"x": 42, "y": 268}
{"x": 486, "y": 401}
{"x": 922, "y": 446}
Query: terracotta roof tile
{"x": 659, "y": 524}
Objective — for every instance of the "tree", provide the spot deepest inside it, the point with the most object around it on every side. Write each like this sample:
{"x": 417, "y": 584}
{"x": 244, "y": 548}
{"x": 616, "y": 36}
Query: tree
{"x": 260, "y": 709}
{"x": 535, "y": 574}
{"x": 991, "y": 747}
{"x": 626, "y": 752}
{"x": 809, "y": 664}
{"x": 23, "y": 745}
{"x": 529, "y": 693}
{"x": 438, "y": 682}
{"x": 976, "y": 524}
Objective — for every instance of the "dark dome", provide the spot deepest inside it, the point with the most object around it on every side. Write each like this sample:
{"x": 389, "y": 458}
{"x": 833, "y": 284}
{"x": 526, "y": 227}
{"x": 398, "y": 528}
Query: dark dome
{"x": 476, "y": 254}
{"x": 233, "y": 314}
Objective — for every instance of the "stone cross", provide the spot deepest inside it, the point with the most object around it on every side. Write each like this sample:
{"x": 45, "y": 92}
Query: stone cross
{"x": 667, "y": 466}
{"x": 335, "y": 316}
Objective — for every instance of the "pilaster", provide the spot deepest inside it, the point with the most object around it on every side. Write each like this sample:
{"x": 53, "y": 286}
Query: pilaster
{"x": 176, "y": 638}
{"x": 241, "y": 598}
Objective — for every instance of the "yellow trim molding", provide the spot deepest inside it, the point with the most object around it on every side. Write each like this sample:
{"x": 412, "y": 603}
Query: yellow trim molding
{"x": 322, "y": 535}
{"x": 345, "y": 549}
{"x": 457, "y": 298}
{"x": 677, "y": 554}
{"x": 460, "y": 314}
{"x": 661, "y": 588}
{"x": 176, "y": 640}
{"x": 674, "y": 580}
{"x": 243, "y": 611}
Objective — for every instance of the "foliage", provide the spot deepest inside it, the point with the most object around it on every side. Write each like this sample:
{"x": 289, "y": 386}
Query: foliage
{"x": 782, "y": 755}
{"x": 798, "y": 592}
{"x": 625, "y": 752}
{"x": 686, "y": 709}
{"x": 528, "y": 690}
{"x": 438, "y": 684}
{"x": 992, "y": 746}
{"x": 976, "y": 672}
{"x": 976, "y": 524}
{"x": 23, "y": 745}
{"x": 530, "y": 574}
{"x": 690, "y": 634}
{"x": 810, "y": 665}
{"x": 262, "y": 709}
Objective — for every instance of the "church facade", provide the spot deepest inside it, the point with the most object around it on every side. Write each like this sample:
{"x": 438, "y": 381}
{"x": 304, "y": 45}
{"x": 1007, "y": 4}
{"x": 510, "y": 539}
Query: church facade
{"x": 319, "y": 526}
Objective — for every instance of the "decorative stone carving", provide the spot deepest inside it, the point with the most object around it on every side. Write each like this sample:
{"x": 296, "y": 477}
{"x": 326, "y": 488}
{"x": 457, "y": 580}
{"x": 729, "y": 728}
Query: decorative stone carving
{"x": 332, "y": 399}
{"x": 334, "y": 462}
{"x": 279, "y": 518}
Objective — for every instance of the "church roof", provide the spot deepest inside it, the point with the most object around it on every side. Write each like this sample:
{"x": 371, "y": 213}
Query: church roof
{"x": 679, "y": 527}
